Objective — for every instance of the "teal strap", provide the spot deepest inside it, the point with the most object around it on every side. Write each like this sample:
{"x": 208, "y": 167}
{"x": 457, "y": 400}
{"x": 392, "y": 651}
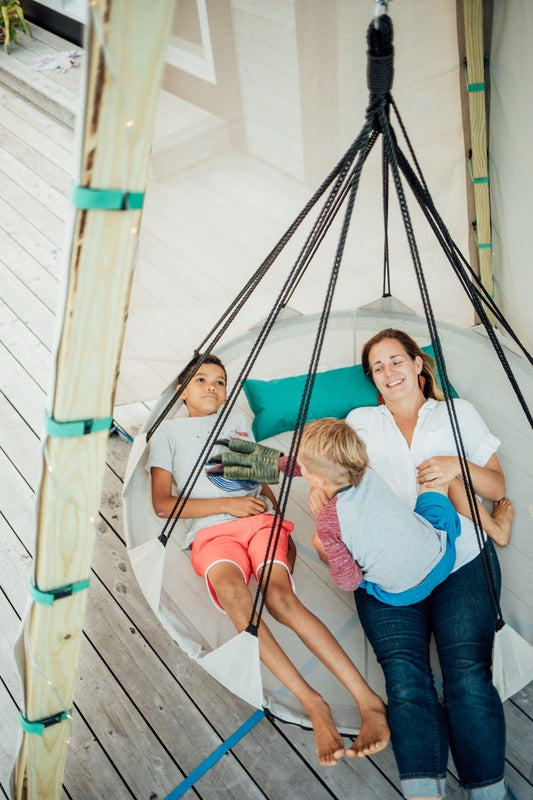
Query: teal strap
{"x": 77, "y": 427}
{"x": 476, "y": 180}
{"x": 480, "y": 245}
{"x": 47, "y": 597}
{"x": 86, "y": 198}
{"x": 39, "y": 725}
{"x": 475, "y": 87}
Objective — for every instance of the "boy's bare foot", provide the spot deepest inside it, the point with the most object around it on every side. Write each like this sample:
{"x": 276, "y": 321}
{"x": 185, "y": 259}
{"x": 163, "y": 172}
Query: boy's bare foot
{"x": 374, "y": 734}
{"x": 328, "y": 741}
{"x": 502, "y": 519}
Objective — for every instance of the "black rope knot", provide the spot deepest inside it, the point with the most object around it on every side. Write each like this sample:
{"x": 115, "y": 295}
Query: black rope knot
{"x": 379, "y": 74}
{"x": 380, "y": 68}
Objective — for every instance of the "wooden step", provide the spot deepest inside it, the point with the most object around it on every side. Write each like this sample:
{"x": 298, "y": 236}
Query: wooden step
{"x": 52, "y": 91}
{"x": 184, "y": 133}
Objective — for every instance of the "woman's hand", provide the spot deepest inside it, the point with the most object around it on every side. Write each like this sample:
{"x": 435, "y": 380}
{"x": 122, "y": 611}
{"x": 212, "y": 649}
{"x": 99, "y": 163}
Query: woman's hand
{"x": 488, "y": 481}
{"x": 438, "y": 470}
{"x": 317, "y": 500}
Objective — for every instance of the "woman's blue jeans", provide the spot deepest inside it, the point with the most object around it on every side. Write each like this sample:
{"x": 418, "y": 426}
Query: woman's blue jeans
{"x": 471, "y": 722}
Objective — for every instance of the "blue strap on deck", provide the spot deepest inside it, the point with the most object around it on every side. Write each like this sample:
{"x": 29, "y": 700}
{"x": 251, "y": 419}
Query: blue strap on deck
{"x": 116, "y": 427}
{"x": 87, "y": 198}
{"x": 215, "y": 756}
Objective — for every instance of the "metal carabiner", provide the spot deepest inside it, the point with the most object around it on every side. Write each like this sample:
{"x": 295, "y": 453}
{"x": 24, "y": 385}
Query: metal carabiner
{"x": 381, "y": 7}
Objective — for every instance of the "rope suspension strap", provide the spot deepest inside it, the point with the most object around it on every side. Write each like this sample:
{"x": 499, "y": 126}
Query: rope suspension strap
{"x": 380, "y": 42}
{"x": 219, "y": 329}
{"x": 262, "y": 588}
{"x": 340, "y": 187}
{"x": 471, "y": 283}
{"x": 346, "y": 179}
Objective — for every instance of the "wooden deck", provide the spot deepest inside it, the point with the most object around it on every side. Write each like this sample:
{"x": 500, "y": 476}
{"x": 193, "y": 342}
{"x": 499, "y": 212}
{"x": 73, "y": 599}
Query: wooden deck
{"x": 145, "y": 715}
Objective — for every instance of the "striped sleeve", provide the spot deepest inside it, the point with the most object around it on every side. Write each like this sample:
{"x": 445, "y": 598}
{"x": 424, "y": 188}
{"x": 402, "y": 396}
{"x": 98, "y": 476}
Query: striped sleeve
{"x": 345, "y": 571}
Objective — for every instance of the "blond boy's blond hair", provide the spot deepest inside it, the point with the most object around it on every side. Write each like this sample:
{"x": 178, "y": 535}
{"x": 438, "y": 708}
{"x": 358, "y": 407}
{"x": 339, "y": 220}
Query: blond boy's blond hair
{"x": 332, "y": 449}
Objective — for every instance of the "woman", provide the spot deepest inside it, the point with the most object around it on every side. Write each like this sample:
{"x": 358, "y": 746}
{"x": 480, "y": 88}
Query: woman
{"x": 410, "y": 441}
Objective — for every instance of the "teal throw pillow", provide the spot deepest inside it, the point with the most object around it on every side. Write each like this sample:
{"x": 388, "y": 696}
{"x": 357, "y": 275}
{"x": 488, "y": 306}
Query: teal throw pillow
{"x": 275, "y": 404}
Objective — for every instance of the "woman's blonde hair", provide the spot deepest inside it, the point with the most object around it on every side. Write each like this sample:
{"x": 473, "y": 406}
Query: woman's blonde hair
{"x": 332, "y": 449}
{"x": 429, "y": 384}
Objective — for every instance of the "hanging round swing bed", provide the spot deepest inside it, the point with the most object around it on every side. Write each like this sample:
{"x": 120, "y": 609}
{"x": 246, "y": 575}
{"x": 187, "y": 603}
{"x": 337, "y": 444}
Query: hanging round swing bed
{"x": 304, "y": 367}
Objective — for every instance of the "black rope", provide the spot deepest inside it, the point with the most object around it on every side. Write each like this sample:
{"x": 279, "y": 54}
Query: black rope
{"x": 262, "y": 588}
{"x": 211, "y": 339}
{"x": 333, "y": 202}
{"x": 470, "y": 282}
{"x": 390, "y": 145}
{"x": 343, "y": 183}
{"x": 386, "y": 289}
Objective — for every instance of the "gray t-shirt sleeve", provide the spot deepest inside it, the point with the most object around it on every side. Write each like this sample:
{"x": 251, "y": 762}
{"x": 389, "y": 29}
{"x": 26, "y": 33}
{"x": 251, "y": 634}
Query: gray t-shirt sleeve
{"x": 160, "y": 453}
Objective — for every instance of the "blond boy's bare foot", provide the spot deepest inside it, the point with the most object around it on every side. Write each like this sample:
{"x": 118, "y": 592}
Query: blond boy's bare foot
{"x": 502, "y": 520}
{"x": 374, "y": 734}
{"x": 328, "y": 741}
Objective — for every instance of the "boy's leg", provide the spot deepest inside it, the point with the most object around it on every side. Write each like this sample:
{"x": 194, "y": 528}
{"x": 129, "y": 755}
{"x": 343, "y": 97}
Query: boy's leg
{"x": 286, "y": 608}
{"x": 497, "y": 525}
{"x": 235, "y": 598}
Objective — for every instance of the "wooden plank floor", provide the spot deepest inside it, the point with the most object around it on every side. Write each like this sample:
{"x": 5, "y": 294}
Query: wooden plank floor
{"x": 145, "y": 715}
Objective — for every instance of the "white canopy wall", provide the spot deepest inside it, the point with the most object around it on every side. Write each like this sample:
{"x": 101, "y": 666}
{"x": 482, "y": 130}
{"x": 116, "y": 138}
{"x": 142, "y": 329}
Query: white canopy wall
{"x": 511, "y": 162}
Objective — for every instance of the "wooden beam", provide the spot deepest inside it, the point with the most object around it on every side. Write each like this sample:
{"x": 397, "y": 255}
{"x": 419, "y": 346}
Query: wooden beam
{"x": 475, "y": 81}
{"x": 125, "y": 51}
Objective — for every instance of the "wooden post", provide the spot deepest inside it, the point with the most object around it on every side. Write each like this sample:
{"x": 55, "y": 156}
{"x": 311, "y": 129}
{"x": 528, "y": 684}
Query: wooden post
{"x": 125, "y": 54}
{"x": 475, "y": 80}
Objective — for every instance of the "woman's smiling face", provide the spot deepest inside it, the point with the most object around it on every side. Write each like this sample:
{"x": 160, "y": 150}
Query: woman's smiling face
{"x": 393, "y": 371}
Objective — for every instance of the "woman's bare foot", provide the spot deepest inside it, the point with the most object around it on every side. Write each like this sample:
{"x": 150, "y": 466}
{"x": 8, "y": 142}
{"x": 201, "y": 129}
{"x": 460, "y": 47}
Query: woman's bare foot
{"x": 502, "y": 519}
{"x": 328, "y": 741}
{"x": 374, "y": 734}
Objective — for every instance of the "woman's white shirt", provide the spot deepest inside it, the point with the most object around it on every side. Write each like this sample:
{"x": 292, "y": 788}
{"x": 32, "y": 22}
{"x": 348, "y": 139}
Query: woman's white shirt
{"x": 392, "y": 458}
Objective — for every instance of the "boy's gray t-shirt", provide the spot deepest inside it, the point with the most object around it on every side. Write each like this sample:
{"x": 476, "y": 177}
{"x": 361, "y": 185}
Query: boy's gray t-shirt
{"x": 395, "y": 547}
{"x": 176, "y": 445}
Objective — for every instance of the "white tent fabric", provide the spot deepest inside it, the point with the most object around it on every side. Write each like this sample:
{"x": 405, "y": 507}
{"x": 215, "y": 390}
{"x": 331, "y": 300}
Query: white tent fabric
{"x": 184, "y": 607}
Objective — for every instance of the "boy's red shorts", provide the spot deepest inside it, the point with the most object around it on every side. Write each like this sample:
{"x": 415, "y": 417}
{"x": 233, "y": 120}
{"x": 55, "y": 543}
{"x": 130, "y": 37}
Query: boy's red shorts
{"x": 240, "y": 541}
